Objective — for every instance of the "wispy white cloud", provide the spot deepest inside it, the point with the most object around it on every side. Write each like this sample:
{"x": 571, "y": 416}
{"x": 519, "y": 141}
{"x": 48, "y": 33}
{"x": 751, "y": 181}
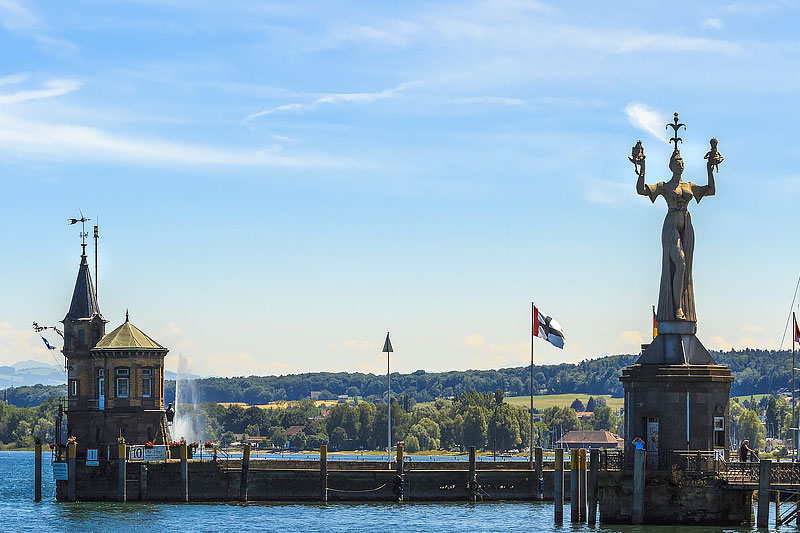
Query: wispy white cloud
{"x": 513, "y": 27}
{"x": 353, "y": 345}
{"x": 17, "y": 18}
{"x": 713, "y": 23}
{"x": 629, "y": 342}
{"x": 337, "y": 98}
{"x": 13, "y": 79}
{"x": 76, "y": 142}
{"x": 20, "y": 344}
{"x": 491, "y": 100}
{"x": 647, "y": 119}
{"x": 609, "y": 193}
{"x": 492, "y": 355}
{"x": 717, "y": 342}
{"x": 51, "y": 88}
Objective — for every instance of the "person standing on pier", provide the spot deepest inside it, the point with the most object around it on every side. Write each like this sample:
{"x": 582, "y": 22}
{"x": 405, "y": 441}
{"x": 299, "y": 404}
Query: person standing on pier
{"x": 745, "y": 451}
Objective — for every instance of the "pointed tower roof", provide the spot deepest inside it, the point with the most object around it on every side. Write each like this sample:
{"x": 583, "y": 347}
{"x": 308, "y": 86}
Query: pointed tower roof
{"x": 127, "y": 336}
{"x": 84, "y": 299}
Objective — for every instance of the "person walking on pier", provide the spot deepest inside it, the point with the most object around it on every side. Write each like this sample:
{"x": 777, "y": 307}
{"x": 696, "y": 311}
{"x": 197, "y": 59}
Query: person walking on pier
{"x": 745, "y": 451}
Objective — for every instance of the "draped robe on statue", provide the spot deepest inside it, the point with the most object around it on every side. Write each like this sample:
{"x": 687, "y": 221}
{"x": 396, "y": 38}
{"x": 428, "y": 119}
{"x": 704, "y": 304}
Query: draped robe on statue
{"x": 677, "y": 231}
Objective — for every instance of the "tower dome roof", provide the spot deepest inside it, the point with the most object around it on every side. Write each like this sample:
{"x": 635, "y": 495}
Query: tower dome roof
{"x": 127, "y": 336}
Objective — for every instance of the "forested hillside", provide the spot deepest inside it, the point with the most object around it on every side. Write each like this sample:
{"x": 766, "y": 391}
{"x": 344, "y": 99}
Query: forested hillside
{"x": 756, "y": 372}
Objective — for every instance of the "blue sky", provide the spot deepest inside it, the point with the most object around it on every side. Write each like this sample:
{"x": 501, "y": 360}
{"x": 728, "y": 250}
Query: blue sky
{"x": 278, "y": 185}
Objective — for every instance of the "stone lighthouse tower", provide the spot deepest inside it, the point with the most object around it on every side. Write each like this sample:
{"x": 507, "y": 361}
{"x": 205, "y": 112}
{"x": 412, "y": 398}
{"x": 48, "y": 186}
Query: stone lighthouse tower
{"x": 115, "y": 382}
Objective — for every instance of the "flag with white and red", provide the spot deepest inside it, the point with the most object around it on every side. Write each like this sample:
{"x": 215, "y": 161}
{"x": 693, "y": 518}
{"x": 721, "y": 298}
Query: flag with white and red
{"x": 547, "y": 328}
{"x": 796, "y": 330}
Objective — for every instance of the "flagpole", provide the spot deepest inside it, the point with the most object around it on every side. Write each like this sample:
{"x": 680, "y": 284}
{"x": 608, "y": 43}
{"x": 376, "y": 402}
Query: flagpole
{"x": 532, "y": 336}
{"x": 794, "y": 399}
{"x": 389, "y": 410}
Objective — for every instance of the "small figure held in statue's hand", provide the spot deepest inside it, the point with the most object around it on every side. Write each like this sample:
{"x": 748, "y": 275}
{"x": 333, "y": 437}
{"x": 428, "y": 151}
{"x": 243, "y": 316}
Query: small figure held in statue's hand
{"x": 637, "y": 157}
{"x": 713, "y": 155}
{"x": 745, "y": 451}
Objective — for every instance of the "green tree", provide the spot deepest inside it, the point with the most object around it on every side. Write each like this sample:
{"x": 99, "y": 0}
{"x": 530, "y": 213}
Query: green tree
{"x": 338, "y": 437}
{"x": 278, "y": 437}
{"x": 411, "y": 444}
{"x": 577, "y": 405}
{"x": 252, "y": 430}
{"x": 557, "y": 418}
{"x": 775, "y": 414}
{"x": 473, "y": 432}
{"x": 604, "y": 418}
{"x": 591, "y": 405}
{"x": 226, "y": 439}
{"x": 750, "y": 428}
{"x": 298, "y": 441}
{"x": 498, "y": 397}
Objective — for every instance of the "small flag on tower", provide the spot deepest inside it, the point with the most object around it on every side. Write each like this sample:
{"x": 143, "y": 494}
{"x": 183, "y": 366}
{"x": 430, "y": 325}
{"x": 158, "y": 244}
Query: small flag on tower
{"x": 547, "y": 328}
{"x": 796, "y": 329}
{"x": 49, "y": 347}
{"x": 655, "y": 324}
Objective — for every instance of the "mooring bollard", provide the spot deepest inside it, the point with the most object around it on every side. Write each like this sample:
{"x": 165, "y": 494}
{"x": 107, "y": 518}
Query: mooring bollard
{"x": 539, "y": 453}
{"x": 594, "y": 474}
{"x": 122, "y": 481}
{"x": 402, "y": 477}
{"x": 558, "y": 486}
{"x": 582, "y": 484}
{"x": 71, "y": 451}
{"x": 574, "y": 486}
{"x": 764, "y": 469}
{"x": 323, "y": 473}
{"x": 637, "y": 509}
{"x": 245, "y": 468}
{"x": 473, "y": 476}
{"x": 184, "y": 472}
{"x": 37, "y": 475}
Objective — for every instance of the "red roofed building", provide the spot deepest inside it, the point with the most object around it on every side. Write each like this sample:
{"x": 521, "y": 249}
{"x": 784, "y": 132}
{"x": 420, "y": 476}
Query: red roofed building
{"x": 589, "y": 439}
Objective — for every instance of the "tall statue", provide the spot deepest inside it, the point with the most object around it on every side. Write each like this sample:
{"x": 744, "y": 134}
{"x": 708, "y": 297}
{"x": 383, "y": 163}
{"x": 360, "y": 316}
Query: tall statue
{"x": 676, "y": 296}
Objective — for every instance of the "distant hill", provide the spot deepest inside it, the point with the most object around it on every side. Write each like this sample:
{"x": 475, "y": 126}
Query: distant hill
{"x": 31, "y": 373}
{"x": 755, "y": 372}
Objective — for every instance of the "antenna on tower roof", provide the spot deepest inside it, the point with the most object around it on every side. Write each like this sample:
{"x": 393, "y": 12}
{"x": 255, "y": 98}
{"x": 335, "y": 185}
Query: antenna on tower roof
{"x": 96, "y": 236}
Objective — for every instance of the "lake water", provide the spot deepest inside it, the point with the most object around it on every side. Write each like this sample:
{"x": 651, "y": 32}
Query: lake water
{"x": 20, "y": 513}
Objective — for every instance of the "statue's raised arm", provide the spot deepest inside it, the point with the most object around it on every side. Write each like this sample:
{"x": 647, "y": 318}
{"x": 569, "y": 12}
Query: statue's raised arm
{"x": 637, "y": 158}
{"x": 713, "y": 159}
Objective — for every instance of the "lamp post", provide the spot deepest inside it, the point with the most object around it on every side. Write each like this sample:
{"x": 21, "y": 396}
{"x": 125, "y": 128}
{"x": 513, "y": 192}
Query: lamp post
{"x": 387, "y": 349}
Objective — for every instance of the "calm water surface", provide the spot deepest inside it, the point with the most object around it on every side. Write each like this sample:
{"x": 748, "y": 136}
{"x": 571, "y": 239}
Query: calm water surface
{"x": 18, "y": 512}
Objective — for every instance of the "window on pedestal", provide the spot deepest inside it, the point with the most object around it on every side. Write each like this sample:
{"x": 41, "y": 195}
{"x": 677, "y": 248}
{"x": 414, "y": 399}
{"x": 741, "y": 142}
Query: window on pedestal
{"x": 719, "y": 431}
{"x": 123, "y": 382}
{"x": 147, "y": 382}
{"x": 73, "y": 387}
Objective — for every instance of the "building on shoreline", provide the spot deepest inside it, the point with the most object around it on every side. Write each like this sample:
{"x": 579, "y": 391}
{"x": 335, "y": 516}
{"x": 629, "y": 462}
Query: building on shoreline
{"x": 115, "y": 381}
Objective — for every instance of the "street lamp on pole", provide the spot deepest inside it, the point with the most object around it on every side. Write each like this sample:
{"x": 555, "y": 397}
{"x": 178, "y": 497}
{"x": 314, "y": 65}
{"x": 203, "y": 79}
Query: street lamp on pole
{"x": 387, "y": 349}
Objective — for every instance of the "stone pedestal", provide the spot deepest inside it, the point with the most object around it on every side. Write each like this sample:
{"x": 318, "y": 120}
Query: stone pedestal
{"x": 676, "y": 407}
{"x": 676, "y": 344}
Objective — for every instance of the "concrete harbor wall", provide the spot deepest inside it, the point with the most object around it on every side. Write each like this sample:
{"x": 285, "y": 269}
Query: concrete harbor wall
{"x": 674, "y": 498}
{"x": 277, "y": 480}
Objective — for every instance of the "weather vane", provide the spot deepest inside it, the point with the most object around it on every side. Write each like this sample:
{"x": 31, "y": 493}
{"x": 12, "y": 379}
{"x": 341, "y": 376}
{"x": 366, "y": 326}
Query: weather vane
{"x": 83, "y": 220}
{"x": 675, "y": 127}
